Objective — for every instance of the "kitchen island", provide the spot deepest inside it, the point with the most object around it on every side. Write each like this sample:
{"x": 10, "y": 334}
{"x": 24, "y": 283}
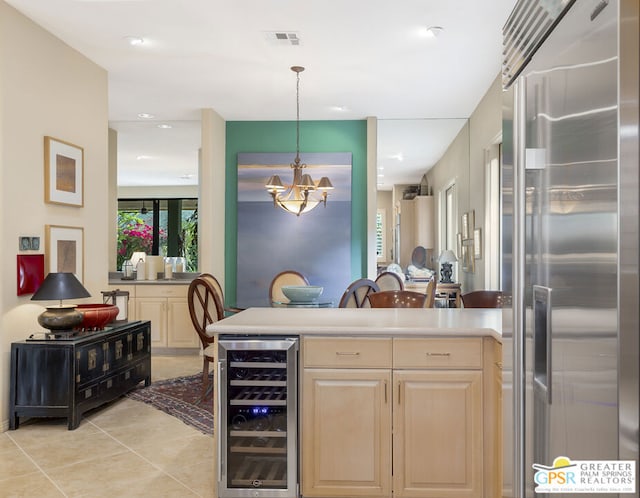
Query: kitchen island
{"x": 402, "y": 402}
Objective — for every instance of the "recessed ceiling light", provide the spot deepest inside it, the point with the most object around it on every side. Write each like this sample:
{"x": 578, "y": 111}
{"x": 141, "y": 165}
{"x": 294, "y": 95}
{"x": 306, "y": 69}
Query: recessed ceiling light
{"x": 186, "y": 176}
{"x": 165, "y": 126}
{"x": 434, "y": 31}
{"x": 134, "y": 41}
{"x": 145, "y": 115}
{"x": 339, "y": 108}
{"x": 142, "y": 158}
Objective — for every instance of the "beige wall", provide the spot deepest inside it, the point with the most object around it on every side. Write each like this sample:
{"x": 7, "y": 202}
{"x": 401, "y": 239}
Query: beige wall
{"x": 46, "y": 88}
{"x": 464, "y": 164}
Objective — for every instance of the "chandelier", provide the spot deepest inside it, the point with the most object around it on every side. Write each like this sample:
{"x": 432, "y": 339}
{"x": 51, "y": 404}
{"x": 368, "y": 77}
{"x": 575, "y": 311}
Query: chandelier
{"x": 303, "y": 194}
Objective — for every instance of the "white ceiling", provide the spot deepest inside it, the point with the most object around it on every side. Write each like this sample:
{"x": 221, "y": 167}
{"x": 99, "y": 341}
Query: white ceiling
{"x": 362, "y": 58}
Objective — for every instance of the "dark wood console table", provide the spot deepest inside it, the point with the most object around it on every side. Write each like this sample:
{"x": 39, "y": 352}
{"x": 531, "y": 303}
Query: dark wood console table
{"x": 66, "y": 377}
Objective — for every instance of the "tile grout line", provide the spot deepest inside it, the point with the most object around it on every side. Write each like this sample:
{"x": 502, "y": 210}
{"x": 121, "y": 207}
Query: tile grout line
{"x": 144, "y": 458}
{"x": 37, "y": 466}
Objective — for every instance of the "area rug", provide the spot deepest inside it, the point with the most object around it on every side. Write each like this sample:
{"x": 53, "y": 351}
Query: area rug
{"x": 178, "y": 397}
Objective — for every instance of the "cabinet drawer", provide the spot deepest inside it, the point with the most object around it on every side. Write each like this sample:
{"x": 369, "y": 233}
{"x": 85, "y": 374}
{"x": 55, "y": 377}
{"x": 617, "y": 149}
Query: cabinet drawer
{"x": 159, "y": 290}
{"x": 437, "y": 353}
{"x": 347, "y": 352}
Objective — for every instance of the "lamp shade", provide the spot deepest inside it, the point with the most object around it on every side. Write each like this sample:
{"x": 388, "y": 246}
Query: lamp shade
{"x": 58, "y": 286}
{"x": 447, "y": 256}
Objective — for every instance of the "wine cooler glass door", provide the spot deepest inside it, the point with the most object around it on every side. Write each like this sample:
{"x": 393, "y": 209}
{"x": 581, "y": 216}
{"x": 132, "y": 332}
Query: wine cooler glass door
{"x": 258, "y": 417}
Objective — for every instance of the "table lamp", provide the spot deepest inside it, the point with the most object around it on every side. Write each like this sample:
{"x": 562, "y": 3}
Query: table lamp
{"x": 446, "y": 259}
{"x": 59, "y": 286}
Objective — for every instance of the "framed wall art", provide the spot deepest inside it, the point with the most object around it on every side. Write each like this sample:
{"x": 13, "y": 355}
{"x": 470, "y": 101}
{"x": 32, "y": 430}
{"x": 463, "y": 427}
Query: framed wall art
{"x": 468, "y": 263}
{"x": 465, "y": 226}
{"x": 317, "y": 243}
{"x": 63, "y": 173}
{"x": 65, "y": 250}
{"x": 477, "y": 243}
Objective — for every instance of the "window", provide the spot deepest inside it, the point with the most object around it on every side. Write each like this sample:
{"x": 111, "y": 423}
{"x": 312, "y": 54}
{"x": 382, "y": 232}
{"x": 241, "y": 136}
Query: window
{"x": 164, "y": 227}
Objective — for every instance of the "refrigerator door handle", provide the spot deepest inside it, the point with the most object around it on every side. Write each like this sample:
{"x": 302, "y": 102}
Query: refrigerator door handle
{"x": 542, "y": 352}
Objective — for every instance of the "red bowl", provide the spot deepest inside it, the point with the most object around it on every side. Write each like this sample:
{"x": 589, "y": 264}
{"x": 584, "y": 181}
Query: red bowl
{"x": 96, "y": 316}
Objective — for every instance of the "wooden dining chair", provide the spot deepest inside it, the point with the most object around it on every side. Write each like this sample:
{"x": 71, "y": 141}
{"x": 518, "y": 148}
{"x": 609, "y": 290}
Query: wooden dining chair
{"x": 397, "y": 299}
{"x": 388, "y": 280}
{"x": 287, "y": 277}
{"x": 205, "y": 308}
{"x": 357, "y": 294}
{"x": 218, "y": 288}
{"x": 482, "y": 299}
{"x": 430, "y": 292}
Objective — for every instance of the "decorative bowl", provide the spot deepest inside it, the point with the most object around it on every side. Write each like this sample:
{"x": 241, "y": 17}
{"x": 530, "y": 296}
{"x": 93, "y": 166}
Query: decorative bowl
{"x": 302, "y": 293}
{"x": 96, "y": 316}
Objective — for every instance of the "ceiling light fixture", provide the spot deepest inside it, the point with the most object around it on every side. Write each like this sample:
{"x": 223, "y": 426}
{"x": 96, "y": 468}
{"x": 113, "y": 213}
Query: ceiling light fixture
{"x": 297, "y": 198}
{"x": 145, "y": 115}
{"x": 165, "y": 126}
{"x": 434, "y": 31}
{"x": 134, "y": 41}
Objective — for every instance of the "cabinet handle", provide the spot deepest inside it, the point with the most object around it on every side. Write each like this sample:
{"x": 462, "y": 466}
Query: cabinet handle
{"x": 399, "y": 388}
{"x": 348, "y": 353}
{"x": 499, "y": 364}
{"x": 385, "y": 392}
{"x": 437, "y": 354}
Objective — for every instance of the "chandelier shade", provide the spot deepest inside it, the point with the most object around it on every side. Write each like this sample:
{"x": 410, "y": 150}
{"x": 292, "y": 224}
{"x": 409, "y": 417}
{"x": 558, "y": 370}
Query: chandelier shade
{"x": 303, "y": 194}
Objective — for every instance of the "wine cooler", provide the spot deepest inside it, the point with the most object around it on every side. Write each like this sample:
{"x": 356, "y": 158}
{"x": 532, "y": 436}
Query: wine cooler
{"x": 258, "y": 438}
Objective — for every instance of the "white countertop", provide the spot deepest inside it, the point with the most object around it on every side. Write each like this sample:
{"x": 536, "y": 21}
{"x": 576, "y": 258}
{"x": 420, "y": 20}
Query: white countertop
{"x": 363, "y": 322}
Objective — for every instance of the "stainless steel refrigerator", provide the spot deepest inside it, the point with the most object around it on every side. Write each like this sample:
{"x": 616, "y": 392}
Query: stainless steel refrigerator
{"x": 570, "y": 236}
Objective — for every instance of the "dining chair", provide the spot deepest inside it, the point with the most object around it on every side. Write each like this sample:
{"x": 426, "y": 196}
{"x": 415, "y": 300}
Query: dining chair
{"x": 482, "y": 299}
{"x": 388, "y": 280}
{"x": 205, "y": 308}
{"x": 357, "y": 294}
{"x": 430, "y": 292}
{"x": 286, "y": 277}
{"x": 397, "y": 299}
{"x": 218, "y": 288}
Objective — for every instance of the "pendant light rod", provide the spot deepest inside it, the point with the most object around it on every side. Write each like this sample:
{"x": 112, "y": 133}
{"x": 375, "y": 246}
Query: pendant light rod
{"x": 297, "y": 70}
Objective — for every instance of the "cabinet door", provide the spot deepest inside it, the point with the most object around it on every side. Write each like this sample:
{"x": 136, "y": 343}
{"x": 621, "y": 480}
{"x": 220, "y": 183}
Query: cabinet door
{"x": 437, "y": 434}
{"x": 346, "y": 433}
{"x": 180, "y": 331}
{"x": 154, "y": 310}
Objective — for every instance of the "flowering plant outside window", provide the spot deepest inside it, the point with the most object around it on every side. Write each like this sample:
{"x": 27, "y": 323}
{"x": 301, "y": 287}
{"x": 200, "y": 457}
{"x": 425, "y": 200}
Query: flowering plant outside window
{"x": 134, "y": 235}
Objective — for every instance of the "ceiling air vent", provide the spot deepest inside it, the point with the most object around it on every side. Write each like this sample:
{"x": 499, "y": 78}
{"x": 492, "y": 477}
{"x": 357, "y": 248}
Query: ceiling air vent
{"x": 283, "y": 38}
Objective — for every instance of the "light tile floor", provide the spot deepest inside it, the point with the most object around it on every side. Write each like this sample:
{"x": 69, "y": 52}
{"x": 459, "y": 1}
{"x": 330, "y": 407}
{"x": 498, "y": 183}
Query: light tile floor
{"x": 123, "y": 449}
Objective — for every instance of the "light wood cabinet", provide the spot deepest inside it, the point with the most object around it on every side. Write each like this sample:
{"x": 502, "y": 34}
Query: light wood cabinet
{"x": 167, "y": 308}
{"x": 346, "y": 433}
{"x": 346, "y": 417}
{"x": 426, "y": 392}
{"x": 437, "y": 445}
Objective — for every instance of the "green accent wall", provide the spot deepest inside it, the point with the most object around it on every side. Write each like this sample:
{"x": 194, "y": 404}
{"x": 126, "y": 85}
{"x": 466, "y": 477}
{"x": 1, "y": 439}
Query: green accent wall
{"x": 315, "y": 136}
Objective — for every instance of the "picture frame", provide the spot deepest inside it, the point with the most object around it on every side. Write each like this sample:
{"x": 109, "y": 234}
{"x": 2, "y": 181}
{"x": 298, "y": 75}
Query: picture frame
{"x": 472, "y": 222}
{"x": 63, "y": 173}
{"x": 64, "y": 247}
{"x": 465, "y": 226}
{"x": 477, "y": 243}
{"x": 24, "y": 243}
{"x": 459, "y": 244}
{"x": 468, "y": 263}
